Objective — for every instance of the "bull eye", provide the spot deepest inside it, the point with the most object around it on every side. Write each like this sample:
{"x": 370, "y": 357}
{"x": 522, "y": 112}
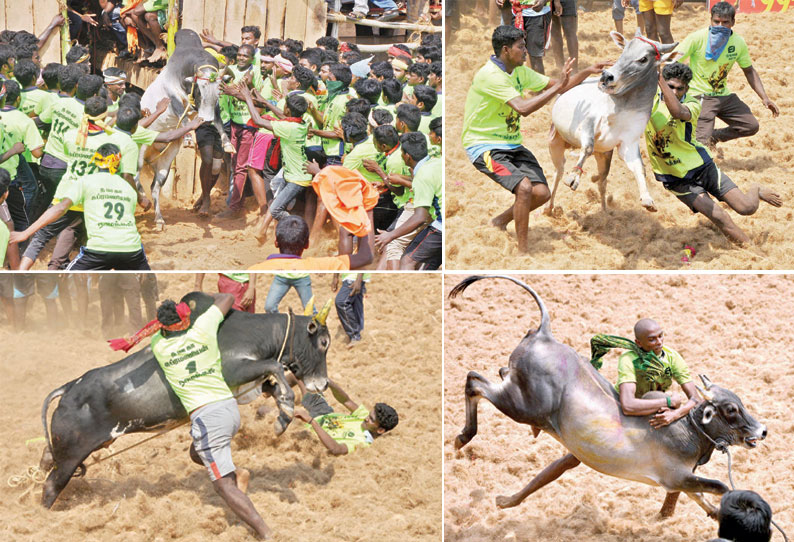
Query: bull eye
{"x": 643, "y": 60}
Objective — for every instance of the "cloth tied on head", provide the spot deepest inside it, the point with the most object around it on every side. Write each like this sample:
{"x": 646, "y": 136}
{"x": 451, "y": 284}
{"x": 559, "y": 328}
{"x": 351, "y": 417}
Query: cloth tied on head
{"x": 397, "y": 52}
{"x": 399, "y": 63}
{"x": 283, "y": 63}
{"x": 86, "y": 123}
{"x": 344, "y": 47}
{"x": 119, "y": 79}
{"x": 110, "y": 162}
{"x": 718, "y": 39}
{"x": 361, "y": 68}
{"x": 125, "y": 343}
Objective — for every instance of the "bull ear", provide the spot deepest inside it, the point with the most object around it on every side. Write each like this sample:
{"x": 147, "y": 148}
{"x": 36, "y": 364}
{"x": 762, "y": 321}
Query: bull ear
{"x": 618, "y": 38}
{"x": 309, "y": 310}
{"x": 706, "y": 381}
{"x": 323, "y": 314}
{"x": 708, "y": 414}
{"x": 312, "y": 326}
{"x": 707, "y": 395}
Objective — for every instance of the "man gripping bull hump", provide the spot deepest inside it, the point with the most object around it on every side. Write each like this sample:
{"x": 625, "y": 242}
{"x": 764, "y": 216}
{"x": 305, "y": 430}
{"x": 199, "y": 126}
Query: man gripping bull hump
{"x": 497, "y": 99}
{"x": 647, "y": 366}
{"x": 191, "y": 361}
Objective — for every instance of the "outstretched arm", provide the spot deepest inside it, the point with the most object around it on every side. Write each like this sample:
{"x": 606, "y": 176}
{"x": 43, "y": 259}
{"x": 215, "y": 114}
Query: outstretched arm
{"x": 579, "y": 77}
{"x": 57, "y": 21}
{"x": 525, "y": 106}
{"x": 755, "y": 83}
{"x": 342, "y": 396}
{"x": 49, "y": 216}
{"x": 335, "y": 448}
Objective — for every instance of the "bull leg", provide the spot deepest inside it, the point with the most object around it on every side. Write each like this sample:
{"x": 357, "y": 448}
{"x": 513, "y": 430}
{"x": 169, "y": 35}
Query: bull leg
{"x": 557, "y": 151}
{"x": 505, "y": 396}
{"x": 161, "y": 167}
{"x": 630, "y": 153}
{"x": 280, "y": 389}
{"x": 546, "y": 476}
{"x": 710, "y": 509}
{"x": 695, "y": 486}
{"x": 670, "y": 500}
{"x": 586, "y": 143}
{"x": 604, "y": 161}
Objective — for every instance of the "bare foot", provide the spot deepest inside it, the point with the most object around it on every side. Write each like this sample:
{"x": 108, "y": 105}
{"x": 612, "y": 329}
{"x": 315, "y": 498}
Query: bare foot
{"x": 196, "y": 206}
{"x": 145, "y": 203}
{"x": 772, "y": 198}
{"x": 204, "y": 211}
{"x": 158, "y": 55}
{"x": 505, "y": 502}
{"x": 260, "y": 233}
{"x": 499, "y": 224}
{"x": 243, "y": 476}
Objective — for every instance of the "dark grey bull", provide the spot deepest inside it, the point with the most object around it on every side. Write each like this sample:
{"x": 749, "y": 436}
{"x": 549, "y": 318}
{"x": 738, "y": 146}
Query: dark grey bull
{"x": 550, "y": 387}
{"x": 132, "y": 394}
{"x": 190, "y": 76}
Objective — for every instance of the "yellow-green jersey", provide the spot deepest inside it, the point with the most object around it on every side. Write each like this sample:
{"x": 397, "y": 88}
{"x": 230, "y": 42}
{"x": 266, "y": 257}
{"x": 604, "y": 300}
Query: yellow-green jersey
{"x": 710, "y": 77}
{"x": 363, "y": 150}
{"x": 672, "y": 147}
{"x": 675, "y": 369}
{"x": 191, "y": 362}
{"x": 65, "y": 113}
{"x": 18, "y": 127}
{"x": 333, "y": 115}
{"x": 346, "y": 428}
{"x": 238, "y": 110}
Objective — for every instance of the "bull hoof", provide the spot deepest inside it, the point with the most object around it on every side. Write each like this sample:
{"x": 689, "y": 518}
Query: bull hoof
{"x": 553, "y": 212}
{"x": 572, "y": 182}
{"x": 506, "y": 502}
{"x": 159, "y": 226}
{"x": 649, "y": 205}
{"x": 460, "y": 442}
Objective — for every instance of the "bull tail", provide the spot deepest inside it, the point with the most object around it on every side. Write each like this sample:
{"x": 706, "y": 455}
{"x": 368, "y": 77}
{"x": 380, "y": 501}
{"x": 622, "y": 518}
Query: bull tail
{"x": 545, "y": 321}
{"x": 44, "y": 408}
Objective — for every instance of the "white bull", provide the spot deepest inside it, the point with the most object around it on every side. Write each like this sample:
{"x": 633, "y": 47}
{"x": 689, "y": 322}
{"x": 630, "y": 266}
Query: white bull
{"x": 607, "y": 113}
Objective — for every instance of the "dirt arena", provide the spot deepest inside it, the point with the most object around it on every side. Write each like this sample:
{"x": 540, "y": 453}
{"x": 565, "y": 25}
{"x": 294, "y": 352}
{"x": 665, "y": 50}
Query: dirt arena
{"x": 627, "y": 236}
{"x": 735, "y": 330}
{"x": 390, "y": 491}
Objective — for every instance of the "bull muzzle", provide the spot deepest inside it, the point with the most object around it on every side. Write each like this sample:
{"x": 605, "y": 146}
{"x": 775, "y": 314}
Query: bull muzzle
{"x": 606, "y": 82}
{"x": 752, "y": 441}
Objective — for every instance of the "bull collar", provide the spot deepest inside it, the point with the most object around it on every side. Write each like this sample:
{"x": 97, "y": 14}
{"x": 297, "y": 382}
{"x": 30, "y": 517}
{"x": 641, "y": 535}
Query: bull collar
{"x": 655, "y": 48}
{"x": 720, "y": 444}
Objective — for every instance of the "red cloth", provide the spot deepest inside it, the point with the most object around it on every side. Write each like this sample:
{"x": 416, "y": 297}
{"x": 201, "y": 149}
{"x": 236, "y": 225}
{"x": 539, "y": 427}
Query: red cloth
{"x": 517, "y": 14}
{"x": 237, "y": 289}
{"x": 153, "y": 327}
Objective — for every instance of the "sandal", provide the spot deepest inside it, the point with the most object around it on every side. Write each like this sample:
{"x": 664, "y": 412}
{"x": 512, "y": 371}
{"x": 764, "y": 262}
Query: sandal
{"x": 356, "y": 16}
{"x": 389, "y": 15}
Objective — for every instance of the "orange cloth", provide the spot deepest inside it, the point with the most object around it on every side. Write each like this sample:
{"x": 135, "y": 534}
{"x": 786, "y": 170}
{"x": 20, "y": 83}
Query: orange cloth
{"x": 323, "y": 263}
{"x": 348, "y": 196}
{"x": 132, "y": 32}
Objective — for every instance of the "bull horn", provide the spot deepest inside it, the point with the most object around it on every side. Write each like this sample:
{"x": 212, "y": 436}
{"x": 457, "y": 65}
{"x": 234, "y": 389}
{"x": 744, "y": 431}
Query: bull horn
{"x": 309, "y": 310}
{"x": 706, "y": 381}
{"x": 707, "y": 395}
{"x": 323, "y": 314}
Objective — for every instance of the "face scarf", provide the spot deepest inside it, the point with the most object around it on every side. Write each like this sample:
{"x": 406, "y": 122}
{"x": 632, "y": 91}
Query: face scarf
{"x": 718, "y": 39}
{"x": 334, "y": 88}
{"x": 153, "y": 327}
{"x": 647, "y": 363}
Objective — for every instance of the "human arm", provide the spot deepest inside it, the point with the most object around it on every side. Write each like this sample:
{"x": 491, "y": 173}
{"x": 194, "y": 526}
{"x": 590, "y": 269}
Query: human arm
{"x": 340, "y": 394}
{"x": 754, "y": 80}
{"x": 171, "y": 135}
{"x": 199, "y": 281}
{"x": 363, "y": 256}
{"x": 666, "y": 416}
{"x": 56, "y": 21}
{"x": 632, "y": 406}
{"x": 250, "y": 293}
{"x": 335, "y": 282}
{"x": 315, "y": 113}
{"x": 209, "y": 39}
{"x": 224, "y": 302}
{"x": 16, "y": 148}
{"x": 525, "y": 106}
{"x": 421, "y": 216}
{"x": 87, "y": 18}
{"x": 162, "y": 107}
{"x": 50, "y": 215}
{"x": 241, "y": 92}
{"x": 676, "y": 108}
{"x": 38, "y": 151}
{"x": 335, "y": 448}
{"x": 354, "y": 291}
{"x": 580, "y": 76}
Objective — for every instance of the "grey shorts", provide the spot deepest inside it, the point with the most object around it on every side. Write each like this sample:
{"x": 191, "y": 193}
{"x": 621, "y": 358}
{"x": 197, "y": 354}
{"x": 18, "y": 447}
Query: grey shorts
{"x": 212, "y": 429}
{"x": 619, "y": 12}
{"x": 537, "y": 32}
{"x": 316, "y": 404}
{"x": 708, "y": 179}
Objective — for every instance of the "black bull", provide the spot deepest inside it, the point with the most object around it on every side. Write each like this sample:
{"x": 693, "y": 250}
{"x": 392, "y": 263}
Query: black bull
{"x": 132, "y": 394}
{"x": 550, "y": 387}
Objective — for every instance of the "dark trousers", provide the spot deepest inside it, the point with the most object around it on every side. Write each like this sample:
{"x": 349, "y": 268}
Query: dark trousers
{"x": 71, "y": 221}
{"x": 350, "y": 309}
{"x": 48, "y": 182}
{"x": 116, "y": 290}
{"x": 732, "y": 111}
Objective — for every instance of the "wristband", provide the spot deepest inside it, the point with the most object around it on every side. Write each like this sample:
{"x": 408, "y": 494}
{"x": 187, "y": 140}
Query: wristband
{"x": 669, "y": 402}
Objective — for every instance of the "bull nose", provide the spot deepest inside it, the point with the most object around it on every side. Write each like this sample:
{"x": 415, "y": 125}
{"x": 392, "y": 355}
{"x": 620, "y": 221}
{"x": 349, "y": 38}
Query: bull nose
{"x": 607, "y": 77}
{"x": 763, "y": 433}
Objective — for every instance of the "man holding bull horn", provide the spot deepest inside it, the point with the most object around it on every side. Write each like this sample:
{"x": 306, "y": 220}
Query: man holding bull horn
{"x": 191, "y": 361}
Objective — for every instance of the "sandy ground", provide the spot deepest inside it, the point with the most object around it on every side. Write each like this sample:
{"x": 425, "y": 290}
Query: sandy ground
{"x": 390, "y": 491}
{"x": 627, "y": 236}
{"x": 732, "y": 328}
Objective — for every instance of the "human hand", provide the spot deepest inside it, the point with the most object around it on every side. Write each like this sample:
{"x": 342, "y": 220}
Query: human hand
{"x": 566, "y": 72}
{"x": 277, "y": 95}
{"x": 382, "y": 239}
{"x": 302, "y": 415}
{"x": 57, "y": 20}
{"x": 248, "y": 297}
{"x": 195, "y": 123}
{"x": 372, "y": 166}
{"x": 355, "y": 289}
{"x": 89, "y": 19}
{"x": 312, "y": 168}
{"x": 162, "y": 105}
{"x": 598, "y": 67}
{"x": 663, "y": 417}
{"x": 17, "y": 148}
{"x": 207, "y": 36}
{"x": 500, "y": 3}
{"x": 769, "y": 104}
{"x": 339, "y": 132}
{"x": 17, "y": 237}
{"x": 557, "y": 7}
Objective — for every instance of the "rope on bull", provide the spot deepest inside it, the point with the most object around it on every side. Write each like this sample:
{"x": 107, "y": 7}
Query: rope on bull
{"x": 33, "y": 476}
{"x": 339, "y": 18}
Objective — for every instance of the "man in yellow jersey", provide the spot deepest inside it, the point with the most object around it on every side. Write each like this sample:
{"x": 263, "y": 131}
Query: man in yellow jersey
{"x": 712, "y": 52}
{"x": 636, "y": 377}
{"x": 191, "y": 362}
{"x": 684, "y": 165}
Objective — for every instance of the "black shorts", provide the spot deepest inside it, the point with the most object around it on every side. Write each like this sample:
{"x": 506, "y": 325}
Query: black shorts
{"x": 568, "y": 8}
{"x": 316, "y": 405}
{"x": 537, "y": 32}
{"x": 509, "y": 167}
{"x": 426, "y": 248}
{"x": 88, "y": 260}
{"x": 207, "y": 135}
{"x": 707, "y": 179}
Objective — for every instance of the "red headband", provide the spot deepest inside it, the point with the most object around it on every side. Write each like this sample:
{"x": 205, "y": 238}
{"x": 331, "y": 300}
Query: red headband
{"x": 396, "y": 51}
{"x": 153, "y": 327}
{"x": 652, "y": 44}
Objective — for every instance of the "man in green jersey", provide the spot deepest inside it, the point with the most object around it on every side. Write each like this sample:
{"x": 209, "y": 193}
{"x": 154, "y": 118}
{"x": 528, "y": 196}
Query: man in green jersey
{"x": 684, "y": 165}
{"x": 497, "y": 99}
{"x": 107, "y": 202}
{"x": 711, "y": 53}
{"x": 635, "y": 379}
{"x": 191, "y": 362}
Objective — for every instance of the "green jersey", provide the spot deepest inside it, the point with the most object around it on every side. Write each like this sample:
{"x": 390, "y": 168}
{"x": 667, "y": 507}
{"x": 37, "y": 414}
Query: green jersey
{"x": 363, "y": 150}
{"x": 487, "y": 119}
{"x": 4, "y": 237}
{"x": 30, "y": 98}
{"x": 65, "y": 113}
{"x": 238, "y": 109}
{"x": 710, "y": 77}
{"x": 46, "y": 102}
{"x": 238, "y": 277}
{"x": 333, "y": 114}
{"x": 346, "y": 428}
{"x": 78, "y": 158}
{"x": 109, "y": 211}
{"x": 396, "y": 165}
{"x": 191, "y": 362}
{"x": 18, "y": 127}
{"x": 312, "y": 141}
{"x": 293, "y": 150}
{"x": 438, "y": 109}
{"x": 144, "y": 136}
{"x": 675, "y": 369}
{"x": 672, "y": 146}
{"x": 427, "y": 185}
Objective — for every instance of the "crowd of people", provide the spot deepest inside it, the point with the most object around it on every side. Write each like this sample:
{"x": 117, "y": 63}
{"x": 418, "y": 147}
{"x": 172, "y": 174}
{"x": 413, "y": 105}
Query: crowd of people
{"x": 364, "y": 132}
{"x": 680, "y": 135}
